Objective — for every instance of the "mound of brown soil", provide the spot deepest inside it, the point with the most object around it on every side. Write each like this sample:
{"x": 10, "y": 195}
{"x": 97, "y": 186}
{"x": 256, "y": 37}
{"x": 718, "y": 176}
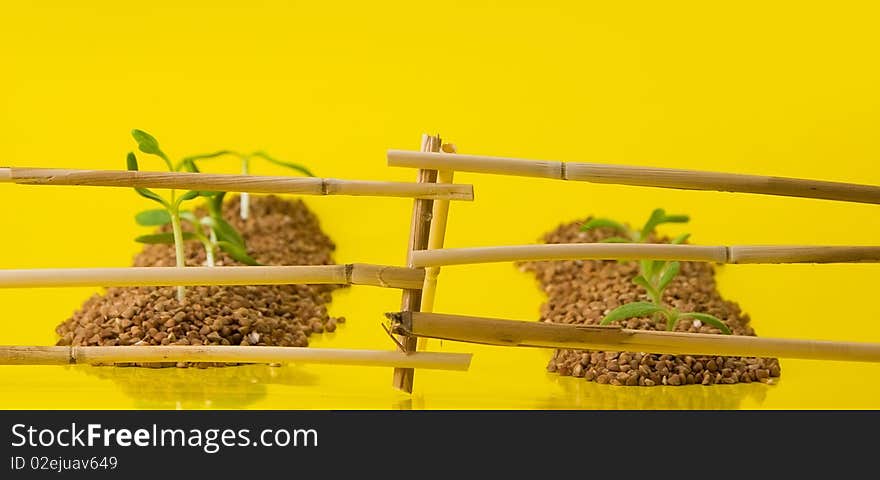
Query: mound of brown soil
{"x": 278, "y": 232}
{"x": 584, "y": 291}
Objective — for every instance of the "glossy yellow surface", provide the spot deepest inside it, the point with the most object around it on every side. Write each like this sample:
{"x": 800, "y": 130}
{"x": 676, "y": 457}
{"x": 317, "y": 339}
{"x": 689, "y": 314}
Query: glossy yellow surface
{"x": 782, "y": 88}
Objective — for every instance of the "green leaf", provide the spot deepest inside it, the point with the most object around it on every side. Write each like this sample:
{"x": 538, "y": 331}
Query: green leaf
{"x": 615, "y": 240}
{"x": 676, "y": 219}
{"x": 132, "y": 165}
{"x": 644, "y": 283}
{"x": 226, "y": 232}
{"x": 708, "y": 319}
{"x": 215, "y": 204}
{"x": 167, "y": 238}
{"x": 632, "y": 310}
{"x": 654, "y": 220}
{"x": 148, "y": 144}
{"x": 237, "y": 252}
{"x": 293, "y": 166}
{"x": 669, "y": 273}
{"x": 189, "y": 195}
{"x": 153, "y": 218}
{"x": 603, "y": 222}
{"x": 647, "y": 268}
{"x": 681, "y": 239}
{"x": 190, "y": 162}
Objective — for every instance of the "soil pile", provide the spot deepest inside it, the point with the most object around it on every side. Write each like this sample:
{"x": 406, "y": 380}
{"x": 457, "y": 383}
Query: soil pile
{"x": 583, "y": 291}
{"x": 278, "y": 232}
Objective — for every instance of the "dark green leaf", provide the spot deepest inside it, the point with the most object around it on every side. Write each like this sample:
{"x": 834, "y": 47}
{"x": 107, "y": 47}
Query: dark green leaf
{"x": 632, "y": 310}
{"x": 654, "y": 220}
{"x": 132, "y": 165}
{"x": 603, "y": 222}
{"x": 237, "y": 252}
{"x": 167, "y": 238}
{"x": 644, "y": 283}
{"x": 293, "y": 166}
{"x": 676, "y": 219}
{"x": 152, "y": 218}
{"x": 148, "y": 144}
{"x": 215, "y": 204}
{"x": 668, "y": 275}
{"x": 189, "y": 195}
{"x": 708, "y": 319}
{"x": 226, "y": 232}
{"x": 615, "y": 240}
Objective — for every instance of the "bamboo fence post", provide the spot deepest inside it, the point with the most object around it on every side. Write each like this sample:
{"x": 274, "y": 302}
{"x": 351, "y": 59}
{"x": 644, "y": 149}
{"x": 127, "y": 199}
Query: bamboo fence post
{"x": 435, "y": 240}
{"x": 233, "y": 183}
{"x": 96, "y": 355}
{"x": 420, "y": 229}
{"x": 516, "y": 333}
{"x": 643, "y": 176}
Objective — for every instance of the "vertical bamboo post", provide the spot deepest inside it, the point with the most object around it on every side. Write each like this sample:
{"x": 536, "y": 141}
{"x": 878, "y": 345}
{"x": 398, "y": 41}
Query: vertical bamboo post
{"x": 435, "y": 241}
{"x": 420, "y": 230}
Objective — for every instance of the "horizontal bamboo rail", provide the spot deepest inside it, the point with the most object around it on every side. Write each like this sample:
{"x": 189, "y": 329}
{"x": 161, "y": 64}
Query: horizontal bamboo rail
{"x": 350, "y": 274}
{"x": 648, "y": 251}
{"x": 610, "y": 338}
{"x": 641, "y": 176}
{"x": 37, "y": 355}
{"x": 234, "y": 183}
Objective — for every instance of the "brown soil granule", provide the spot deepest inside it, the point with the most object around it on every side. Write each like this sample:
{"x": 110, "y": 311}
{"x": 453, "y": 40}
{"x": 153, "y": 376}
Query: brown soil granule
{"x": 278, "y": 232}
{"x": 584, "y": 291}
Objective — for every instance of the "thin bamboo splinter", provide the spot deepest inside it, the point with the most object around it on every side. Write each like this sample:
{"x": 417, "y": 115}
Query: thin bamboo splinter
{"x": 39, "y": 355}
{"x": 642, "y": 176}
{"x": 611, "y": 338}
{"x": 740, "y": 254}
{"x": 234, "y": 183}
{"x": 350, "y": 274}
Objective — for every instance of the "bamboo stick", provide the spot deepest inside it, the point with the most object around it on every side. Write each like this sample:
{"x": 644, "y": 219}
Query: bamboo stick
{"x": 643, "y": 176}
{"x": 235, "y": 183}
{"x": 351, "y": 274}
{"x": 420, "y": 228}
{"x": 34, "y": 355}
{"x": 435, "y": 240}
{"x": 549, "y": 335}
{"x": 648, "y": 251}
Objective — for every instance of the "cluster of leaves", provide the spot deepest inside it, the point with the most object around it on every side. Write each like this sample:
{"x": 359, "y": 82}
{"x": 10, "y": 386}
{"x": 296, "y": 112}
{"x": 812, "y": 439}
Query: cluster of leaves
{"x": 654, "y": 275}
{"x": 220, "y": 234}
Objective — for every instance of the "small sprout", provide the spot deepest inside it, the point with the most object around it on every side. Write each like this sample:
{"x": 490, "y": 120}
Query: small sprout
{"x": 654, "y": 275}
{"x": 189, "y": 164}
{"x": 222, "y": 235}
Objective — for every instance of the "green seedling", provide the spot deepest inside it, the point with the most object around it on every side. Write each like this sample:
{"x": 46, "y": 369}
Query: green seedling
{"x": 220, "y": 234}
{"x": 654, "y": 275}
{"x": 224, "y": 235}
{"x": 189, "y": 163}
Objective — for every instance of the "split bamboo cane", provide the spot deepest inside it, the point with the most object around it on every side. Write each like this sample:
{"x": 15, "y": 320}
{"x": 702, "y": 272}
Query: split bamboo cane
{"x": 233, "y": 183}
{"x": 649, "y": 251}
{"x": 350, "y": 274}
{"x": 420, "y": 228}
{"x": 642, "y": 176}
{"x": 611, "y": 338}
{"x": 38, "y": 355}
{"x": 435, "y": 241}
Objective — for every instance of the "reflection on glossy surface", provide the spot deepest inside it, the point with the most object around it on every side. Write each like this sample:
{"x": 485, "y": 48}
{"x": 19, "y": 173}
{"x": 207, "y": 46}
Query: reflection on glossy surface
{"x": 230, "y": 387}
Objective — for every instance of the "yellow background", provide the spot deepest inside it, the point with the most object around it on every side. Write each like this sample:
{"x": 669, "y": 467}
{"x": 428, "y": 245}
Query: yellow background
{"x": 782, "y": 88}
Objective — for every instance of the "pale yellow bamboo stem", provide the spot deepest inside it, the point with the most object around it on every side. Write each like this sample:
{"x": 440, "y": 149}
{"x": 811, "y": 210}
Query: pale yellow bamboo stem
{"x": 435, "y": 240}
{"x": 5, "y": 175}
{"x": 33, "y": 355}
{"x": 548, "y": 335}
{"x": 648, "y": 251}
{"x": 354, "y": 274}
{"x": 420, "y": 228}
{"x": 643, "y": 176}
{"x": 238, "y": 183}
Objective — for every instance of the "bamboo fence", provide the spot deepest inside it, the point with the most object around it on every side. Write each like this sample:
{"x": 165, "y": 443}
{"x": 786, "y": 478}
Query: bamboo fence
{"x": 649, "y": 251}
{"x": 514, "y": 333}
{"x": 350, "y": 274}
{"x": 233, "y": 183}
{"x": 68, "y": 355}
{"x": 641, "y": 176}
